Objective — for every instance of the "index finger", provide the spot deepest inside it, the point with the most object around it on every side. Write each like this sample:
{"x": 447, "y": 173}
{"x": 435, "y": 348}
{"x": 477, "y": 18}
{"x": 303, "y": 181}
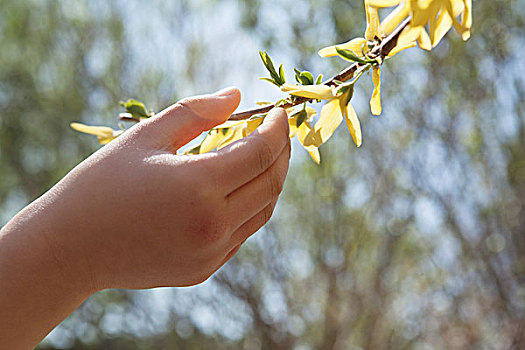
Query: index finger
{"x": 246, "y": 159}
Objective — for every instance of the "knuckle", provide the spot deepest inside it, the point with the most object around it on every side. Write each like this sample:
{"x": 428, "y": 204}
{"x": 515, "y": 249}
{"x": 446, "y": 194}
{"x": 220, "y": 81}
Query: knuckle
{"x": 275, "y": 185}
{"x": 264, "y": 154}
{"x": 267, "y": 214}
{"x": 212, "y": 230}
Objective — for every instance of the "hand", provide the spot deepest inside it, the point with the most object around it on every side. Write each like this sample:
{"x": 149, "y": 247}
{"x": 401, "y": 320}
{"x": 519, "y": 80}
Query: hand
{"x": 135, "y": 215}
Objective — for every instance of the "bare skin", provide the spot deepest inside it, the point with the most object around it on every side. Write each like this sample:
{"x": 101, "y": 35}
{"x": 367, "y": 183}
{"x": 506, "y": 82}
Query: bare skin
{"x": 135, "y": 215}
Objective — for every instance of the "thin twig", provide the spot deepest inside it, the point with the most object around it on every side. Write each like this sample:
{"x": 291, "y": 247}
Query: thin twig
{"x": 382, "y": 50}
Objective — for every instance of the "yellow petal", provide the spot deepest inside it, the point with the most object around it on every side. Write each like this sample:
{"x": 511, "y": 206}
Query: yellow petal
{"x": 211, "y": 141}
{"x": 375, "y": 102}
{"x": 292, "y": 126}
{"x": 292, "y": 122}
{"x": 423, "y": 11}
{"x": 466, "y": 35}
{"x": 395, "y": 17}
{"x": 310, "y": 112}
{"x": 467, "y": 14}
{"x": 466, "y": 19}
{"x": 353, "y": 124}
{"x": 408, "y": 36}
{"x": 424, "y": 40}
{"x": 439, "y": 27}
{"x": 315, "y": 155}
{"x": 457, "y": 6}
{"x": 233, "y": 135}
{"x": 372, "y": 21}
{"x": 454, "y": 8}
{"x": 357, "y": 45}
{"x": 304, "y": 132}
{"x": 104, "y": 133}
{"x": 251, "y": 125}
{"x": 331, "y": 118}
{"x": 322, "y": 92}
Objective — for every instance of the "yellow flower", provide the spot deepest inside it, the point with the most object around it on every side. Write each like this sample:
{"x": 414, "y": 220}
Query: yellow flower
{"x": 359, "y": 46}
{"x": 375, "y": 101}
{"x": 232, "y": 135}
{"x": 213, "y": 139}
{"x": 332, "y": 115}
{"x": 318, "y": 92}
{"x": 104, "y": 133}
{"x": 229, "y": 132}
{"x": 372, "y": 22}
{"x": 374, "y": 30}
{"x": 440, "y": 15}
{"x": 303, "y": 129}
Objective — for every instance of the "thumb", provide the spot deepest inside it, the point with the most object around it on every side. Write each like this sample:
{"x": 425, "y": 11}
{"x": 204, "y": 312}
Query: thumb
{"x": 188, "y": 118}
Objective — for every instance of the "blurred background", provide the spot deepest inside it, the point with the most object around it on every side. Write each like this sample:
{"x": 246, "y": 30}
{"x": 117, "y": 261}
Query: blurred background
{"x": 414, "y": 241}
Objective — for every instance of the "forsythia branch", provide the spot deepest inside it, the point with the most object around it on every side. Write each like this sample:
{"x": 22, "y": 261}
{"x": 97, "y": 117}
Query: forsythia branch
{"x": 409, "y": 23}
{"x": 384, "y": 50}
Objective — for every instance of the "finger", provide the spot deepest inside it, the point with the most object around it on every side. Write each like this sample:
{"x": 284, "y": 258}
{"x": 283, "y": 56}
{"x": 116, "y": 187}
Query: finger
{"x": 188, "y": 118}
{"x": 231, "y": 253}
{"x": 246, "y": 159}
{"x": 253, "y": 225}
{"x": 254, "y": 196}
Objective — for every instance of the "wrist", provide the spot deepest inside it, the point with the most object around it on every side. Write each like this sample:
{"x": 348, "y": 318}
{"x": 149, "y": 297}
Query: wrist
{"x": 40, "y": 284}
{"x": 56, "y": 229}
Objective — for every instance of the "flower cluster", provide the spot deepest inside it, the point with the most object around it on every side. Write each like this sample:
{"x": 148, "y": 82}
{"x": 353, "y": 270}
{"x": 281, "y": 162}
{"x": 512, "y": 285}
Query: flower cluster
{"x": 408, "y": 23}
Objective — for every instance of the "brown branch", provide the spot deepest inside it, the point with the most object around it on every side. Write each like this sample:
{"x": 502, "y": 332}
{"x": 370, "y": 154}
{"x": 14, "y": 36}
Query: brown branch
{"x": 381, "y": 50}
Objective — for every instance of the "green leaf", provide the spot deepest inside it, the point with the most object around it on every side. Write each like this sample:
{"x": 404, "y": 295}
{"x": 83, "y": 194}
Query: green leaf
{"x": 281, "y": 102}
{"x": 349, "y": 55}
{"x": 281, "y": 74}
{"x": 298, "y": 75}
{"x": 307, "y": 76}
{"x": 348, "y": 93}
{"x": 268, "y": 63}
{"x": 319, "y": 80}
{"x": 304, "y": 78}
{"x": 136, "y": 108}
{"x": 277, "y": 78}
{"x": 302, "y": 117}
{"x": 270, "y": 81}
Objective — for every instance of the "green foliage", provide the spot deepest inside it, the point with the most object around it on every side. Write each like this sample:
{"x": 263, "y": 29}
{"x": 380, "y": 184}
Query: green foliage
{"x": 136, "y": 109}
{"x": 276, "y": 78}
{"x": 349, "y": 55}
{"x": 304, "y": 78}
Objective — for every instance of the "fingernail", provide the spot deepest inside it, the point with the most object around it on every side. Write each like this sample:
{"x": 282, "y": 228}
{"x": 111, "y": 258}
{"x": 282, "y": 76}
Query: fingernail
{"x": 226, "y": 92}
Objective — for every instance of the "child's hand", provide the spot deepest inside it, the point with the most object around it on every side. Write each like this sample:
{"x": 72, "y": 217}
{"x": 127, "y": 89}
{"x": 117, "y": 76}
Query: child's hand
{"x": 135, "y": 215}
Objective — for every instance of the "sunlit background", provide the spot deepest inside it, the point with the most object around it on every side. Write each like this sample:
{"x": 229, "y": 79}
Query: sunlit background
{"x": 414, "y": 241}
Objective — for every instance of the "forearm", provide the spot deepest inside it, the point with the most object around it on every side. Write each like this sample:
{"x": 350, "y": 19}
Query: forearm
{"x": 37, "y": 287}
